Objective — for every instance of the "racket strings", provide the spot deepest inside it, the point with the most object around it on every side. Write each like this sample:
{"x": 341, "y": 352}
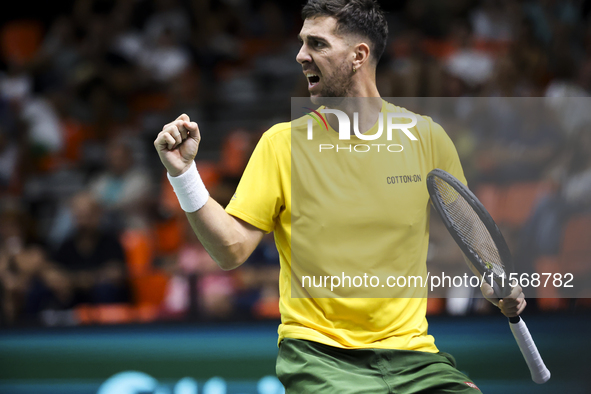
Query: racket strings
{"x": 469, "y": 226}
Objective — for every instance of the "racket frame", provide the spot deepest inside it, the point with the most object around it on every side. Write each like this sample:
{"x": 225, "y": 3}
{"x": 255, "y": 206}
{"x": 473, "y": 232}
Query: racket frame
{"x": 500, "y": 285}
{"x": 539, "y": 373}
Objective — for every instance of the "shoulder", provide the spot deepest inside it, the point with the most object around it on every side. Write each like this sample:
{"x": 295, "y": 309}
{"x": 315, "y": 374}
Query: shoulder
{"x": 284, "y": 130}
{"x": 424, "y": 123}
{"x": 279, "y": 131}
{"x": 422, "y": 120}
{"x": 273, "y": 143}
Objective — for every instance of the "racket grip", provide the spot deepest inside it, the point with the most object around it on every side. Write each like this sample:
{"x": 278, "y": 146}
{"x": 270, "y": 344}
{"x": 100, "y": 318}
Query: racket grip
{"x": 539, "y": 373}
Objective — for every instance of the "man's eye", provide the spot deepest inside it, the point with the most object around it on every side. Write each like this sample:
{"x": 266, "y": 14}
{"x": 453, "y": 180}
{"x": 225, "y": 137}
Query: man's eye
{"x": 318, "y": 44}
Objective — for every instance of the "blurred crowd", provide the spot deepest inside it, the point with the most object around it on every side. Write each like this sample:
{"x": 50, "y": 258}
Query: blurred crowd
{"x": 90, "y": 230}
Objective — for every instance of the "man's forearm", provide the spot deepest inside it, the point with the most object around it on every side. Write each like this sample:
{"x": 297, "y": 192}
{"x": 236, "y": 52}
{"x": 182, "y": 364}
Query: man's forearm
{"x": 227, "y": 240}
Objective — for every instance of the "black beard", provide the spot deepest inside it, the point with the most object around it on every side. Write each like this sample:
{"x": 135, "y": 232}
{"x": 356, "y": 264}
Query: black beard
{"x": 336, "y": 87}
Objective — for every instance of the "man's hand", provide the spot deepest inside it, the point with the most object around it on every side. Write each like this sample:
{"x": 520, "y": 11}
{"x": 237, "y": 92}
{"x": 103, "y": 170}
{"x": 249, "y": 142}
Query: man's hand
{"x": 512, "y": 305}
{"x": 177, "y": 145}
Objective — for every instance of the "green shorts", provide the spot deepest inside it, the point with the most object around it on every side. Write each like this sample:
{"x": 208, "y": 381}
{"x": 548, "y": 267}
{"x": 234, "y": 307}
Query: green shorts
{"x": 309, "y": 367}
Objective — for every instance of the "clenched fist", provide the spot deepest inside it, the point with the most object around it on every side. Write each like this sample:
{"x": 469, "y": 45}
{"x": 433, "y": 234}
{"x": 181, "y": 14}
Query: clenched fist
{"x": 177, "y": 145}
{"x": 512, "y": 305}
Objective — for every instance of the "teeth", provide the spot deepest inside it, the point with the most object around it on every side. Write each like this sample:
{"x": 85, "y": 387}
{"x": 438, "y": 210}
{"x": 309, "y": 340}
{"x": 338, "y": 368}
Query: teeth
{"x": 311, "y": 75}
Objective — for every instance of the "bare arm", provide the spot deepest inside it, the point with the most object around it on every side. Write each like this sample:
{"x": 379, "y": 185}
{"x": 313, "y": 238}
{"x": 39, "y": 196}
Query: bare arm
{"x": 227, "y": 239}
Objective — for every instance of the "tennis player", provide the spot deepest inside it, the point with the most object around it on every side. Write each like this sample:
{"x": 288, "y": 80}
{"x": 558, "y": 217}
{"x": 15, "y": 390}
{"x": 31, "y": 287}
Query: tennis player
{"x": 336, "y": 345}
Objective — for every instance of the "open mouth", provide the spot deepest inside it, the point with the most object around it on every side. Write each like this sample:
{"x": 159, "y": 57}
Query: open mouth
{"x": 313, "y": 80}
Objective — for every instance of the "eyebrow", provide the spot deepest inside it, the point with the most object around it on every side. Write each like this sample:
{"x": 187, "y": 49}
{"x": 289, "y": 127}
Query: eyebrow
{"x": 312, "y": 37}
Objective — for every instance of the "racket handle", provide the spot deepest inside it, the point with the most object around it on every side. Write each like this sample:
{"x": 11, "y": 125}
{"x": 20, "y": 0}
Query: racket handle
{"x": 539, "y": 373}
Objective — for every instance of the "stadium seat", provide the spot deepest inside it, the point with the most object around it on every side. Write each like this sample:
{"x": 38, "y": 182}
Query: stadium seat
{"x": 105, "y": 314}
{"x": 138, "y": 252}
{"x": 519, "y": 201}
{"x": 491, "y": 196}
{"x": 235, "y": 152}
{"x": 435, "y": 306}
{"x": 150, "y": 289}
{"x": 548, "y": 297}
{"x": 150, "y": 102}
{"x": 511, "y": 205}
{"x": 577, "y": 235}
{"x": 20, "y": 40}
{"x": 209, "y": 173}
{"x": 267, "y": 308}
{"x": 148, "y": 285}
{"x": 169, "y": 235}
{"x": 115, "y": 314}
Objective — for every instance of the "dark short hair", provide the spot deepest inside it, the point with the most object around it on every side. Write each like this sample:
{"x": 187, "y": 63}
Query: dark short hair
{"x": 362, "y": 17}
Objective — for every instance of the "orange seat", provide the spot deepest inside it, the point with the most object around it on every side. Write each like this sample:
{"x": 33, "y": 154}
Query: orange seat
{"x": 148, "y": 285}
{"x": 577, "y": 235}
{"x": 137, "y": 246}
{"x": 20, "y": 40}
{"x": 209, "y": 173}
{"x": 520, "y": 199}
{"x": 267, "y": 308}
{"x": 150, "y": 102}
{"x": 553, "y": 304}
{"x": 105, "y": 314}
{"x": 114, "y": 314}
{"x": 235, "y": 152}
{"x": 438, "y": 48}
{"x": 435, "y": 306}
{"x": 150, "y": 289}
{"x": 491, "y": 196}
{"x": 548, "y": 296}
{"x": 511, "y": 205}
{"x": 146, "y": 313}
{"x": 169, "y": 235}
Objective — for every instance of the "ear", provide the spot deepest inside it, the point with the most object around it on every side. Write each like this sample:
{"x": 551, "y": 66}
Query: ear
{"x": 361, "y": 53}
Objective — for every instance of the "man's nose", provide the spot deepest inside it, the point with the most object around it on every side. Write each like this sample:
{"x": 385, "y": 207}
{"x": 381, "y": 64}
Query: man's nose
{"x": 303, "y": 55}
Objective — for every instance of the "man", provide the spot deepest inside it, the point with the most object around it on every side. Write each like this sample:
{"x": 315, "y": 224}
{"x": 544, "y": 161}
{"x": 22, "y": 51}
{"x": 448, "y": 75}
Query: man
{"x": 90, "y": 263}
{"x": 334, "y": 345}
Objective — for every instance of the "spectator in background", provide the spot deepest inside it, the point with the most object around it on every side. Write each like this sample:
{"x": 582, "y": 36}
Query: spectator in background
{"x": 571, "y": 177}
{"x": 9, "y": 157}
{"x": 44, "y": 130}
{"x": 198, "y": 289}
{"x": 92, "y": 259}
{"x": 472, "y": 66}
{"x": 21, "y": 263}
{"x": 123, "y": 189}
{"x": 58, "y": 54}
{"x": 169, "y": 16}
{"x": 165, "y": 58}
{"x": 101, "y": 56}
{"x": 491, "y": 21}
{"x": 516, "y": 140}
{"x": 565, "y": 96}
{"x": 257, "y": 293}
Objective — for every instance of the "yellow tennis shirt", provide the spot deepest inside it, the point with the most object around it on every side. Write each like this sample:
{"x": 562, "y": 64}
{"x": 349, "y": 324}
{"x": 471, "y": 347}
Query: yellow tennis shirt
{"x": 360, "y": 209}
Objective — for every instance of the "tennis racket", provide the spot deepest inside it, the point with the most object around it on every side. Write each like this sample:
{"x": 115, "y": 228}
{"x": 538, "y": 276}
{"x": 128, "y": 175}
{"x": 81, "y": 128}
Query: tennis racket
{"x": 475, "y": 232}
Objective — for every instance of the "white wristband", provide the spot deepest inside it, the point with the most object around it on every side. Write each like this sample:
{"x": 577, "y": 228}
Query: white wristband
{"x": 189, "y": 189}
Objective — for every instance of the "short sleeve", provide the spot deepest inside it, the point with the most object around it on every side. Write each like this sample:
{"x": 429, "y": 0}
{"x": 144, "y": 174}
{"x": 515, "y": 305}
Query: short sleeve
{"x": 259, "y": 197}
{"x": 445, "y": 155}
